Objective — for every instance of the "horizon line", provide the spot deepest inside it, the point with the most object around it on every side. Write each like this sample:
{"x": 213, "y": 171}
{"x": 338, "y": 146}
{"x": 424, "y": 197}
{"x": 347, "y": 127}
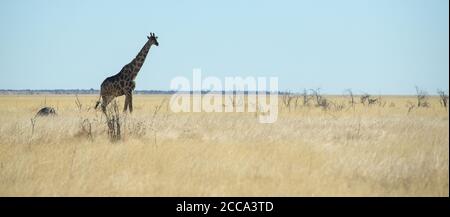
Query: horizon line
{"x": 150, "y": 91}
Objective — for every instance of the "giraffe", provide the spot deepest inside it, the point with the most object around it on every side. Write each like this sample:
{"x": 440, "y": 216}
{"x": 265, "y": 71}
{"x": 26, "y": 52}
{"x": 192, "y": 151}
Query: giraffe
{"x": 123, "y": 82}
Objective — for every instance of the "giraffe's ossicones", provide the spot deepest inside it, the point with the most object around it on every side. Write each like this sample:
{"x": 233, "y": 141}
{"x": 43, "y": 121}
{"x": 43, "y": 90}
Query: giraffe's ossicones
{"x": 123, "y": 83}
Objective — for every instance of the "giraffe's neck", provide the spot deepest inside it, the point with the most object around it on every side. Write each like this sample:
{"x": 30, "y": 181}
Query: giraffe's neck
{"x": 138, "y": 61}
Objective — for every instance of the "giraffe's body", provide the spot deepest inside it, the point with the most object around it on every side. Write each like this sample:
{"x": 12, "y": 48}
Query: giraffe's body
{"x": 123, "y": 82}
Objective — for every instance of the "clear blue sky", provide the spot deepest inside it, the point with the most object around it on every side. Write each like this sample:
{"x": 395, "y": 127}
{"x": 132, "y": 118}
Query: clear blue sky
{"x": 376, "y": 46}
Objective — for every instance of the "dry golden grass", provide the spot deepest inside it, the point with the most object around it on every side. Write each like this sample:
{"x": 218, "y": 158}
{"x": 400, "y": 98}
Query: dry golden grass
{"x": 365, "y": 151}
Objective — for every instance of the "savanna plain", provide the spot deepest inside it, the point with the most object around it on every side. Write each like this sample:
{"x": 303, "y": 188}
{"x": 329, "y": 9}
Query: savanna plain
{"x": 388, "y": 148}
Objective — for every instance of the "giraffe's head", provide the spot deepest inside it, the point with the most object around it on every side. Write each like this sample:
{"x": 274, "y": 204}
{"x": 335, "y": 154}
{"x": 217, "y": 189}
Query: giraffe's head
{"x": 153, "y": 39}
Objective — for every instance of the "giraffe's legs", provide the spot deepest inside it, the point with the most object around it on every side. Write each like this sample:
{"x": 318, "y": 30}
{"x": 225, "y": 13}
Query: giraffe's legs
{"x": 127, "y": 100}
{"x": 130, "y": 102}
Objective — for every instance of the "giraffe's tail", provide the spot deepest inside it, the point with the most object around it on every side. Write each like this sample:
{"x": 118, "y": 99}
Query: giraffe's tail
{"x": 98, "y": 102}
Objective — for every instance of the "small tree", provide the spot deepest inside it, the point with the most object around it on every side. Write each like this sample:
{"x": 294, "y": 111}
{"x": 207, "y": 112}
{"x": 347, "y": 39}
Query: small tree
{"x": 306, "y": 98}
{"x": 443, "y": 98}
{"x": 352, "y": 100}
{"x": 320, "y": 100}
{"x": 422, "y": 98}
{"x": 113, "y": 121}
{"x": 316, "y": 95}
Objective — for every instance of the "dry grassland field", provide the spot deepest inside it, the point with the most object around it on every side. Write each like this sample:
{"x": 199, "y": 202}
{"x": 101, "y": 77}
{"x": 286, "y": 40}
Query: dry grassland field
{"x": 386, "y": 149}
